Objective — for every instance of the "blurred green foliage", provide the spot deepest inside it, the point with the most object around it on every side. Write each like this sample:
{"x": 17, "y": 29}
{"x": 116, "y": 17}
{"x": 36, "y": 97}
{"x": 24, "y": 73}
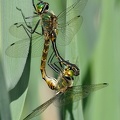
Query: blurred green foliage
{"x": 95, "y": 50}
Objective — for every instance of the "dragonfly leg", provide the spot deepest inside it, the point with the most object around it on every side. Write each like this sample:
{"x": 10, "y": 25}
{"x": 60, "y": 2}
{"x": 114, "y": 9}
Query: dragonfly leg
{"x": 57, "y": 53}
{"x": 25, "y": 28}
{"x": 34, "y": 30}
{"x": 24, "y": 18}
{"x": 62, "y": 61}
{"x": 53, "y": 65}
{"x": 33, "y": 3}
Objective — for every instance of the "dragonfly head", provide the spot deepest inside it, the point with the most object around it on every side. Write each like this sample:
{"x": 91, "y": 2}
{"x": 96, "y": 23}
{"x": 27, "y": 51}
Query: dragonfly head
{"x": 42, "y": 7}
{"x": 68, "y": 72}
{"x": 75, "y": 69}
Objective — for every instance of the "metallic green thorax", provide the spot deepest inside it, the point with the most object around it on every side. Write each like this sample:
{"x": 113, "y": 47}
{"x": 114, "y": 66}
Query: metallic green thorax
{"x": 47, "y": 21}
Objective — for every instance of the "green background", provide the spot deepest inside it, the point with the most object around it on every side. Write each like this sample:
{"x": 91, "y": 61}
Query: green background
{"x": 95, "y": 49}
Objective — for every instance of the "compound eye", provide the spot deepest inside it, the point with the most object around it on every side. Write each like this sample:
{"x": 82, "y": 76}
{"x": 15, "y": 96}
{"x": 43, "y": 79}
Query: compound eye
{"x": 47, "y": 7}
{"x": 73, "y": 69}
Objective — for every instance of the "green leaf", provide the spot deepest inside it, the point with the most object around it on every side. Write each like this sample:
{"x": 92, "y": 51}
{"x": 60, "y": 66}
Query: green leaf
{"x": 17, "y": 71}
{"x": 4, "y": 98}
{"x": 104, "y": 105}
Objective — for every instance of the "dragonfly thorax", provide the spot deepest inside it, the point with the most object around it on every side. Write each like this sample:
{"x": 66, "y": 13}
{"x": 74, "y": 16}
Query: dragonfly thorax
{"x": 49, "y": 20}
{"x": 49, "y": 24}
{"x": 63, "y": 83}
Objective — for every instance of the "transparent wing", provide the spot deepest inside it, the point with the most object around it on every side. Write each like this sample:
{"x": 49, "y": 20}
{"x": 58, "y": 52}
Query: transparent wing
{"x": 41, "y": 108}
{"x": 67, "y": 31}
{"x": 72, "y": 94}
{"x": 79, "y": 92}
{"x": 20, "y": 30}
{"x": 69, "y": 22}
{"x": 73, "y": 10}
{"x": 17, "y": 31}
{"x": 20, "y": 48}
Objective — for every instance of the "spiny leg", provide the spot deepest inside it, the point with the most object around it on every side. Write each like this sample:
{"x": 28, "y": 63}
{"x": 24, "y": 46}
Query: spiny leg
{"x": 33, "y": 3}
{"x": 53, "y": 65}
{"x": 24, "y": 18}
{"x": 62, "y": 61}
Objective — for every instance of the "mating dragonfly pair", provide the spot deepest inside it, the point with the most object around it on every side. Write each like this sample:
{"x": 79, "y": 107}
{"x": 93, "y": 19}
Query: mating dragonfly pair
{"x": 52, "y": 28}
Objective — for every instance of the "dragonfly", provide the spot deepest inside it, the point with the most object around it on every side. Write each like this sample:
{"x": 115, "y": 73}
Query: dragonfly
{"x": 53, "y": 27}
{"x": 66, "y": 91}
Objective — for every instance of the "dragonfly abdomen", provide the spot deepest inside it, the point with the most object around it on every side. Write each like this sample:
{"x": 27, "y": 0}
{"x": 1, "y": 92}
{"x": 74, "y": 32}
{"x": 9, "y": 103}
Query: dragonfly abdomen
{"x": 51, "y": 82}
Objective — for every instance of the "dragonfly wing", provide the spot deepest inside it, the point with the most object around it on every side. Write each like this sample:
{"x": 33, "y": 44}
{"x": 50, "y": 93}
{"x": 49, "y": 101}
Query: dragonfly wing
{"x": 37, "y": 46}
{"x": 20, "y": 30}
{"x": 17, "y": 31}
{"x": 69, "y": 21}
{"x": 73, "y": 10}
{"x": 79, "y": 92}
{"x": 68, "y": 30}
{"x": 72, "y": 94}
{"x": 20, "y": 48}
{"x": 41, "y": 108}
